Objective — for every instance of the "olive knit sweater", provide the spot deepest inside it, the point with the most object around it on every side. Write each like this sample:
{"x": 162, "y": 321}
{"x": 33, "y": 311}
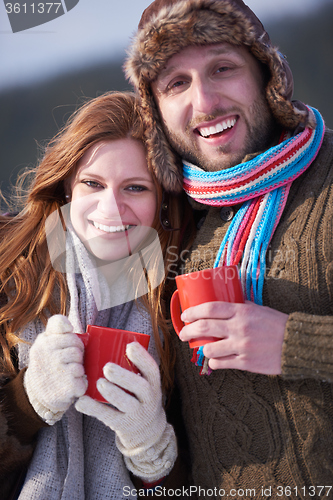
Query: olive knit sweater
{"x": 250, "y": 431}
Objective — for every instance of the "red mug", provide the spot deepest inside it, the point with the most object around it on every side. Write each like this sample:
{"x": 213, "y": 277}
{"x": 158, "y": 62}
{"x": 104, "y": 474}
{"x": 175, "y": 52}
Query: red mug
{"x": 210, "y": 285}
{"x": 103, "y": 345}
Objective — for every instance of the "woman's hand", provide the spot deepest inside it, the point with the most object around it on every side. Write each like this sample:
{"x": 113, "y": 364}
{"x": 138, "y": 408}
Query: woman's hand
{"x": 55, "y": 375}
{"x": 137, "y": 417}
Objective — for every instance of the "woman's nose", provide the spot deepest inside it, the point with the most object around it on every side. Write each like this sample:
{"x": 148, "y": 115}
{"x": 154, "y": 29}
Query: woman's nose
{"x": 110, "y": 204}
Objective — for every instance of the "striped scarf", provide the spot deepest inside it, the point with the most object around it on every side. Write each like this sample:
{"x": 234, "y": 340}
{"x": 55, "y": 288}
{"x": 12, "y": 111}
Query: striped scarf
{"x": 262, "y": 185}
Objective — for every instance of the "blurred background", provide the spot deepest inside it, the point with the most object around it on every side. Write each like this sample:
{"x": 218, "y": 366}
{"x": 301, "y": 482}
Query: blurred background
{"x": 48, "y": 71}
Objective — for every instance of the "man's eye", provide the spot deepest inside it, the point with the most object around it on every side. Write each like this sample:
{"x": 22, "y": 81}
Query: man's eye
{"x": 176, "y": 84}
{"x": 222, "y": 69}
{"x": 179, "y": 83}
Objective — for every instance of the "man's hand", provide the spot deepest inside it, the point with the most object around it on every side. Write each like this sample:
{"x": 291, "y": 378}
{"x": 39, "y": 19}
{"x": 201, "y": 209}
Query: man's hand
{"x": 251, "y": 335}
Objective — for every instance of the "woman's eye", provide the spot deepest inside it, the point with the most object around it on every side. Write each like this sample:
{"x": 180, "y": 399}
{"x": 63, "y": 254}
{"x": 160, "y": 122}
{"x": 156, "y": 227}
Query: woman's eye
{"x": 136, "y": 189}
{"x": 92, "y": 184}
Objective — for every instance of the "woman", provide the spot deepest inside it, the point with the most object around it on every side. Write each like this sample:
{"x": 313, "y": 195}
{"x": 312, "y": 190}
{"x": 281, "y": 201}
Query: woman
{"x": 94, "y": 184}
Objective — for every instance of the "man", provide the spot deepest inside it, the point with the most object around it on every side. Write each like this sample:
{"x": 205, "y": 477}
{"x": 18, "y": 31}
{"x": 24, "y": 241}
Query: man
{"x": 258, "y": 172}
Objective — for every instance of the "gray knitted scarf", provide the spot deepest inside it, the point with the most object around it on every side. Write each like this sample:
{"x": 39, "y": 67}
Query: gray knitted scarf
{"x": 76, "y": 459}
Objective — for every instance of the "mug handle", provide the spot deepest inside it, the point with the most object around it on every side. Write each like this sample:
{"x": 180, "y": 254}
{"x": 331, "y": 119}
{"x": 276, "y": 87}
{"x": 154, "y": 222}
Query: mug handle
{"x": 176, "y": 312}
{"x": 178, "y": 324}
{"x": 84, "y": 337}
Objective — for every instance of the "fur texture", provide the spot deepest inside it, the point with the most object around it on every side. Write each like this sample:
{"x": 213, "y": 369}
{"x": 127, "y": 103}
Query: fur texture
{"x": 167, "y": 27}
{"x": 14, "y": 456}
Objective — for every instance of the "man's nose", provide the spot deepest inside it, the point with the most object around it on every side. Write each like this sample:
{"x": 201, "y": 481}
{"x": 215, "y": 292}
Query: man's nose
{"x": 204, "y": 96}
{"x": 110, "y": 204}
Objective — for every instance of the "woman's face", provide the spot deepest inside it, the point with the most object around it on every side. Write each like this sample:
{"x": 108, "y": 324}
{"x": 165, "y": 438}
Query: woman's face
{"x": 113, "y": 198}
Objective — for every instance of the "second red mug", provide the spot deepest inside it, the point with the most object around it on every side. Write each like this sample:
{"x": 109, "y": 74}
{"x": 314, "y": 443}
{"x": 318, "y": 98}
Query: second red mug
{"x": 210, "y": 285}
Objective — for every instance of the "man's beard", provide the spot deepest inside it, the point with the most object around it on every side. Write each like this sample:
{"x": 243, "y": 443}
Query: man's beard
{"x": 262, "y": 133}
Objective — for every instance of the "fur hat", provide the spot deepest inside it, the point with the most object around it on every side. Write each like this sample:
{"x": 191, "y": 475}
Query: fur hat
{"x": 167, "y": 27}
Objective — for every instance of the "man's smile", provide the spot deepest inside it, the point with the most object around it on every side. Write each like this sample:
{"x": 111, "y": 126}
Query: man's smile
{"x": 216, "y": 129}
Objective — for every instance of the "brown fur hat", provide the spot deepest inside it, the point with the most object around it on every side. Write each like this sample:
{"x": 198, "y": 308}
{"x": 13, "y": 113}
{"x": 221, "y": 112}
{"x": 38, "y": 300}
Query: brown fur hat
{"x": 167, "y": 27}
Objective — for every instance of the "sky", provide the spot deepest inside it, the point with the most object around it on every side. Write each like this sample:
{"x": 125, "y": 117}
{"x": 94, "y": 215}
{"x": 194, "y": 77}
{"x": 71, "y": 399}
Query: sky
{"x": 92, "y": 31}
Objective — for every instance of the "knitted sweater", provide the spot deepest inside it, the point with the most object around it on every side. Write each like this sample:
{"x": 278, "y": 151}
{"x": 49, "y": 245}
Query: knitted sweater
{"x": 250, "y": 431}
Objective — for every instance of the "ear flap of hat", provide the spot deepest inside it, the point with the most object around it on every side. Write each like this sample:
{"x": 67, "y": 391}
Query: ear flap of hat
{"x": 165, "y": 163}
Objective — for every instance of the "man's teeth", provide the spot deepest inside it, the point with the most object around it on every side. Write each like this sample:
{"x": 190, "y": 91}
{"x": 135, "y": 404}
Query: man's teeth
{"x": 111, "y": 229}
{"x": 207, "y": 131}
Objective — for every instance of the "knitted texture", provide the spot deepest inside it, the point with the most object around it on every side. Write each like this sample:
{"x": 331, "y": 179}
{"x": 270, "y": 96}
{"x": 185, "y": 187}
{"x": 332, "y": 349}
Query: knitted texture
{"x": 308, "y": 341}
{"x": 143, "y": 436}
{"x": 263, "y": 184}
{"x": 254, "y": 431}
{"x": 77, "y": 457}
{"x": 55, "y": 375}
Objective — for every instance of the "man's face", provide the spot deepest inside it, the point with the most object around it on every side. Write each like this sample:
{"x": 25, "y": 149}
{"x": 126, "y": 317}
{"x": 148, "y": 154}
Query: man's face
{"x": 211, "y": 99}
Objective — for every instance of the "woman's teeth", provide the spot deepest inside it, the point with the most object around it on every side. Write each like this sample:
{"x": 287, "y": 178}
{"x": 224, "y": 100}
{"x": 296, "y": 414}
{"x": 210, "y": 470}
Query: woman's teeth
{"x": 111, "y": 229}
{"x": 220, "y": 127}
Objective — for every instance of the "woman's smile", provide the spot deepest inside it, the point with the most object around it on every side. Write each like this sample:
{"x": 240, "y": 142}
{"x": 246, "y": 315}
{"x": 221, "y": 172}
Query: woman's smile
{"x": 113, "y": 199}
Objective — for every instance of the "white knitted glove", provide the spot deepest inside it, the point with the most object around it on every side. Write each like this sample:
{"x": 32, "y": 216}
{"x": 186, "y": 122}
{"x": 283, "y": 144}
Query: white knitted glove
{"x": 143, "y": 435}
{"x": 55, "y": 374}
